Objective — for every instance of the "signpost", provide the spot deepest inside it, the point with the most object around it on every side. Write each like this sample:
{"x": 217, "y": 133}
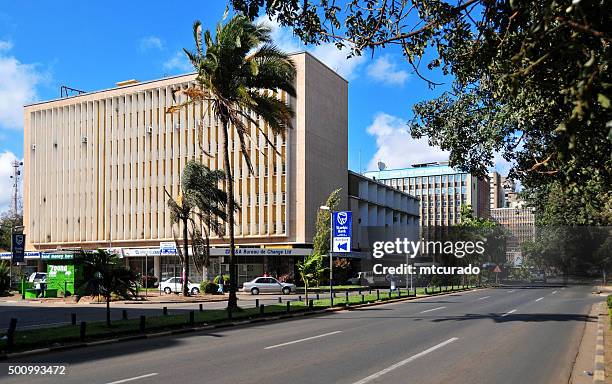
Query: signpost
{"x": 18, "y": 252}
{"x": 497, "y": 270}
{"x": 341, "y": 226}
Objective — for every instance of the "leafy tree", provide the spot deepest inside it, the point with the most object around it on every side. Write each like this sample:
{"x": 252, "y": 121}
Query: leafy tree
{"x": 322, "y": 227}
{"x": 310, "y": 270}
{"x": 200, "y": 209}
{"x": 473, "y": 228}
{"x": 239, "y": 72}
{"x": 7, "y": 222}
{"x": 109, "y": 277}
{"x": 531, "y": 81}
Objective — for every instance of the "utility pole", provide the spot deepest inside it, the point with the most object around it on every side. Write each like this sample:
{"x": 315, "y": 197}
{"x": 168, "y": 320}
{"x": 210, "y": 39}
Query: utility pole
{"x": 15, "y": 176}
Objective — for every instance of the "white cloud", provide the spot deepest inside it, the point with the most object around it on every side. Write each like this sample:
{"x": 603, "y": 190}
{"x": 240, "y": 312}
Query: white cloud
{"x": 396, "y": 148}
{"x": 151, "y": 42}
{"x": 178, "y": 62}
{"x": 386, "y": 71}
{"x": 328, "y": 53}
{"x": 6, "y": 183}
{"x": 6, "y": 45}
{"x": 18, "y": 83}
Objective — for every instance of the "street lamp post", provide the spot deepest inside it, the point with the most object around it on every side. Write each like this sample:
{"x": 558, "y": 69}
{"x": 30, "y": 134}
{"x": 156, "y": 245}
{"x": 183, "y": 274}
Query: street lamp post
{"x": 331, "y": 274}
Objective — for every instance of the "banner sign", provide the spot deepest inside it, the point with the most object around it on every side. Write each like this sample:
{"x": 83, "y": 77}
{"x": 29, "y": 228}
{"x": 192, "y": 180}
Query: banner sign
{"x": 18, "y": 247}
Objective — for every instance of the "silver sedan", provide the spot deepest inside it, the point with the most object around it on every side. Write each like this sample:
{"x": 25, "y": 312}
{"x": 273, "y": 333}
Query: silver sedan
{"x": 267, "y": 285}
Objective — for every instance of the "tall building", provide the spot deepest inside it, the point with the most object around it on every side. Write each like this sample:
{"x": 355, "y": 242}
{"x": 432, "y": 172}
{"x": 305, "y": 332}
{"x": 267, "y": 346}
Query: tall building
{"x": 98, "y": 166}
{"x": 496, "y": 190}
{"x": 441, "y": 189}
{"x": 520, "y": 223}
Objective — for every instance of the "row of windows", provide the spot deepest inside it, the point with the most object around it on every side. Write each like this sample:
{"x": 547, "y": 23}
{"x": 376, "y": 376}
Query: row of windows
{"x": 427, "y": 180}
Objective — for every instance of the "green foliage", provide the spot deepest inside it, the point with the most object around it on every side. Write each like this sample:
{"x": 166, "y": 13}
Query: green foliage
{"x": 7, "y": 223}
{"x": 609, "y": 299}
{"x": 226, "y": 279}
{"x": 531, "y": 82}
{"x": 4, "y": 278}
{"x": 208, "y": 287}
{"x": 310, "y": 270}
{"x": 322, "y": 228}
{"x": 475, "y": 229}
{"x": 109, "y": 277}
{"x": 240, "y": 72}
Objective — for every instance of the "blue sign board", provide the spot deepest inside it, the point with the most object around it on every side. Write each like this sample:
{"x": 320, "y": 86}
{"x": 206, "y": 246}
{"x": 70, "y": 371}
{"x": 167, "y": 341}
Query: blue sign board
{"x": 18, "y": 247}
{"x": 342, "y": 224}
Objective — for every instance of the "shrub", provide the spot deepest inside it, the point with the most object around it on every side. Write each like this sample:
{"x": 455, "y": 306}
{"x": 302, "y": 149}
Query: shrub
{"x": 208, "y": 287}
{"x": 610, "y": 301}
{"x": 4, "y": 278}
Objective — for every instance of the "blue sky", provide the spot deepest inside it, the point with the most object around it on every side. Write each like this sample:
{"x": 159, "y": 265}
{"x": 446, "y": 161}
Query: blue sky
{"x": 92, "y": 45}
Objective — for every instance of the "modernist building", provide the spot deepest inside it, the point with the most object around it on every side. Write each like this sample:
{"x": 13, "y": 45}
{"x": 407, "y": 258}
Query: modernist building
{"x": 98, "y": 167}
{"x": 520, "y": 223}
{"x": 442, "y": 191}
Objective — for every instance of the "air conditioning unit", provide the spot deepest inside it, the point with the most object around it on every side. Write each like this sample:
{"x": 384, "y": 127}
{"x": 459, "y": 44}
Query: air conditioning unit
{"x": 84, "y": 139}
{"x": 33, "y": 147}
{"x": 149, "y": 129}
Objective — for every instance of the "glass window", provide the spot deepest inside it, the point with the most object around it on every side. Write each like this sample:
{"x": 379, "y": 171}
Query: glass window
{"x": 463, "y": 176}
{"x": 437, "y": 179}
{"x": 444, "y": 178}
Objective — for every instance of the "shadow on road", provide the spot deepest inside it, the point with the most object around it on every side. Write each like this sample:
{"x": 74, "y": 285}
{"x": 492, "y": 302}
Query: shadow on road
{"x": 531, "y": 317}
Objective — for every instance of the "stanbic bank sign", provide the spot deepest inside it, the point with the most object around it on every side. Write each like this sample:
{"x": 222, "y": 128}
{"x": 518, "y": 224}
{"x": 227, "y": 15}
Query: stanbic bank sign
{"x": 261, "y": 251}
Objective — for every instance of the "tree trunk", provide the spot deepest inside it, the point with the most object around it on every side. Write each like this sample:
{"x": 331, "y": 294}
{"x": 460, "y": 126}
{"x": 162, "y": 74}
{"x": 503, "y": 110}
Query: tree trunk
{"x": 232, "y": 302}
{"x": 108, "y": 320}
{"x": 185, "y": 255}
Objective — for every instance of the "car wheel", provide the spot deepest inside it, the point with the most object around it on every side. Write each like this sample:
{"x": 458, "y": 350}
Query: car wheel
{"x": 195, "y": 291}
{"x": 254, "y": 291}
{"x": 167, "y": 290}
{"x": 286, "y": 291}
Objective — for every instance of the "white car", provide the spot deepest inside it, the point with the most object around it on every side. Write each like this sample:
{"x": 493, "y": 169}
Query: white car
{"x": 267, "y": 285}
{"x": 175, "y": 284}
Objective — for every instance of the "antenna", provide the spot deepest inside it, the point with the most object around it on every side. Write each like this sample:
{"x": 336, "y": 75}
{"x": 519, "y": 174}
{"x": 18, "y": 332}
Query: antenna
{"x": 381, "y": 166}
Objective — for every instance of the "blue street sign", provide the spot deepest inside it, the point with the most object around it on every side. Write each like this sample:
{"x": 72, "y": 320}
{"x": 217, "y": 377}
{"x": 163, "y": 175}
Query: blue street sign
{"x": 341, "y": 231}
{"x": 18, "y": 247}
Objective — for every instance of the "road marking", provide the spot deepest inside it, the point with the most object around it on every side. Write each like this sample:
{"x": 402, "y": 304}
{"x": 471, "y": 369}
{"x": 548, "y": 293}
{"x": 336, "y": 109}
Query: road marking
{"x": 553, "y": 292}
{"x": 433, "y": 309}
{"x": 133, "y": 378}
{"x": 300, "y": 340}
{"x": 510, "y": 291}
{"x": 404, "y": 362}
{"x": 509, "y": 312}
{"x": 482, "y": 298}
{"x": 539, "y": 299}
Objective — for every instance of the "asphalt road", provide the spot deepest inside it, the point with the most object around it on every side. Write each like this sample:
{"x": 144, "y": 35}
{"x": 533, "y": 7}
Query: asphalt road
{"x": 514, "y": 335}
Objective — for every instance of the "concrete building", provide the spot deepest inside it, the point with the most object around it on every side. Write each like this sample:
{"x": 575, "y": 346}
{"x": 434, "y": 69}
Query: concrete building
{"x": 442, "y": 191}
{"x": 520, "y": 223}
{"x": 496, "y": 190}
{"x": 97, "y": 166}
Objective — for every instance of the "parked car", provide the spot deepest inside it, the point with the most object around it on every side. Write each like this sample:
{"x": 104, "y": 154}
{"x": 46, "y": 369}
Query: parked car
{"x": 267, "y": 285}
{"x": 175, "y": 284}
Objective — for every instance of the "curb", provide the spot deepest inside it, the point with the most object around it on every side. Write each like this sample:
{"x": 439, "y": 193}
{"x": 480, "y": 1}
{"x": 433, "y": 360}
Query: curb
{"x": 207, "y": 327}
{"x": 599, "y": 374}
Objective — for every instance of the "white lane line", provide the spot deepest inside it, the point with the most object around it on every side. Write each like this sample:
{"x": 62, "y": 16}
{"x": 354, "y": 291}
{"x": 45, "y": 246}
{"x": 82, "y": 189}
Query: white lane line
{"x": 404, "y": 362}
{"x": 133, "y": 378}
{"x": 553, "y": 292}
{"x": 300, "y": 340}
{"x": 484, "y": 297}
{"x": 539, "y": 299}
{"x": 509, "y": 312}
{"x": 433, "y": 309}
{"x": 510, "y": 291}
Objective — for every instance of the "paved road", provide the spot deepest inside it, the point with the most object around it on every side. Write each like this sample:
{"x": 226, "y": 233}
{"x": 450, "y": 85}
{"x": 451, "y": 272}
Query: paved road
{"x": 35, "y": 314}
{"x": 486, "y": 336}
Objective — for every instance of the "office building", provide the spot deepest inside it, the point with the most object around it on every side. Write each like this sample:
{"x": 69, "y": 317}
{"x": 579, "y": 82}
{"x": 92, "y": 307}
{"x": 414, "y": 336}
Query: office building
{"x": 441, "y": 189}
{"x": 520, "y": 225}
{"x": 496, "y": 190}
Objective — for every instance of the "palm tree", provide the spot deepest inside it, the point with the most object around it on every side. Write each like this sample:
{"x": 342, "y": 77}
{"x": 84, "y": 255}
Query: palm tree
{"x": 109, "y": 277}
{"x": 201, "y": 206}
{"x": 238, "y": 72}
